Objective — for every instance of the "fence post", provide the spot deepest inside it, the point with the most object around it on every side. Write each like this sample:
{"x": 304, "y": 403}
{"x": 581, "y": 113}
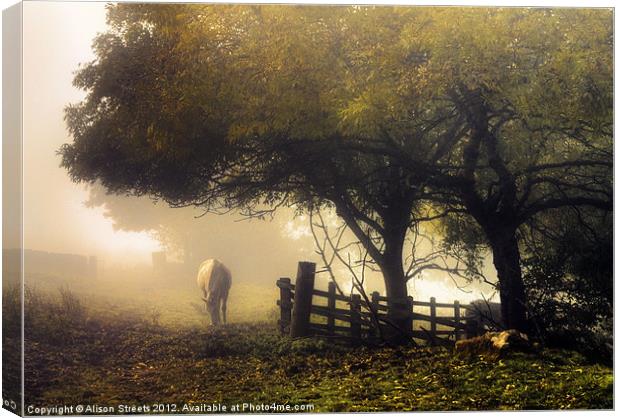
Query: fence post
{"x": 356, "y": 326}
{"x": 331, "y": 306}
{"x": 410, "y": 313}
{"x": 433, "y": 320}
{"x": 304, "y": 287}
{"x": 457, "y": 319}
{"x": 285, "y": 304}
{"x": 374, "y": 300}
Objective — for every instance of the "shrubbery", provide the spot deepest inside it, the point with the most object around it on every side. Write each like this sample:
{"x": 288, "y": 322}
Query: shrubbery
{"x": 53, "y": 319}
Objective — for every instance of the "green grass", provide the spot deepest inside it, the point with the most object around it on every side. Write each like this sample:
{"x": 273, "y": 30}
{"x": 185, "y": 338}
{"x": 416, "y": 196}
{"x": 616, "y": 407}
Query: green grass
{"x": 172, "y": 303}
{"x": 88, "y": 347}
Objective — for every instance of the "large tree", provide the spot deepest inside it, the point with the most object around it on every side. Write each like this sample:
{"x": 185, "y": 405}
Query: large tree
{"x": 378, "y": 112}
{"x": 535, "y": 92}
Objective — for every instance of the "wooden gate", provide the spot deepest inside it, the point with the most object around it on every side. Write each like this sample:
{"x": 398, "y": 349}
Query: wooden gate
{"x": 306, "y": 311}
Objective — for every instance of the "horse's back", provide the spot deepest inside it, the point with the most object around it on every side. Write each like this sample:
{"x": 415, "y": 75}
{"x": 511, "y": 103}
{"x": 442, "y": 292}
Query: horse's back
{"x": 220, "y": 277}
{"x": 214, "y": 275}
{"x": 205, "y": 272}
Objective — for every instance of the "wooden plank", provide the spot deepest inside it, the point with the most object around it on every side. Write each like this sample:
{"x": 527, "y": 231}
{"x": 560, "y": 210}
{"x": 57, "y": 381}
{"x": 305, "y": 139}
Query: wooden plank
{"x": 344, "y": 314}
{"x": 337, "y": 328}
{"x": 442, "y": 320}
{"x": 331, "y": 305}
{"x": 433, "y": 319}
{"x": 322, "y": 293}
{"x": 425, "y": 304}
{"x": 324, "y": 310}
{"x": 449, "y": 322}
{"x": 368, "y": 316}
{"x": 374, "y": 301}
{"x": 282, "y": 282}
{"x": 377, "y": 306}
{"x": 279, "y": 303}
{"x": 437, "y": 304}
{"x": 337, "y": 314}
{"x": 374, "y": 315}
{"x": 285, "y": 305}
{"x": 304, "y": 284}
{"x": 356, "y": 329}
{"x": 457, "y": 318}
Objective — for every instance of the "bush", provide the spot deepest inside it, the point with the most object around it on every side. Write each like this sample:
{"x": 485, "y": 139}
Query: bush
{"x": 52, "y": 320}
{"x": 11, "y": 310}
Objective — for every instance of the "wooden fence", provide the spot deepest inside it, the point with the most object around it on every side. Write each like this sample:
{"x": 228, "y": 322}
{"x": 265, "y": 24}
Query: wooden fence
{"x": 306, "y": 311}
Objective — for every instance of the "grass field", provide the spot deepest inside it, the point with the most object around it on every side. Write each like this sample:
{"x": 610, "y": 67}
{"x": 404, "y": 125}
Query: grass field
{"x": 84, "y": 348}
{"x": 171, "y": 303}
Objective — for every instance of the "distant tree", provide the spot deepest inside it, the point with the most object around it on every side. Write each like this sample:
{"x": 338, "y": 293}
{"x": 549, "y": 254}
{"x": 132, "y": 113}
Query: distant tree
{"x": 391, "y": 116}
{"x": 254, "y": 250}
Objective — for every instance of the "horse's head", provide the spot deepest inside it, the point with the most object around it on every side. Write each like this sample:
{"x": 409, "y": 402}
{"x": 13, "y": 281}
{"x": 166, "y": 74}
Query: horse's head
{"x": 212, "y": 308}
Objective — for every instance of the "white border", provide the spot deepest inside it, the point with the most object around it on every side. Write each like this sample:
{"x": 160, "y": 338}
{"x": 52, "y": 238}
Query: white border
{"x": 502, "y": 3}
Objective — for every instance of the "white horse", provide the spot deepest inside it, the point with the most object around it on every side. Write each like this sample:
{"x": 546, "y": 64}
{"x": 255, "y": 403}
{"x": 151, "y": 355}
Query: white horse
{"x": 214, "y": 279}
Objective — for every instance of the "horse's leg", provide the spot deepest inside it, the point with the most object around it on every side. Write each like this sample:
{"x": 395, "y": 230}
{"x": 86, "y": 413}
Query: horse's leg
{"x": 216, "y": 316}
{"x": 224, "y": 307}
{"x": 205, "y": 298}
{"x": 214, "y": 310}
{"x": 224, "y": 297}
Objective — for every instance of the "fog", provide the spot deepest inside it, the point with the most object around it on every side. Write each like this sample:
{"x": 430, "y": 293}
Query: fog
{"x": 123, "y": 232}
{"x": 58, "y": 38}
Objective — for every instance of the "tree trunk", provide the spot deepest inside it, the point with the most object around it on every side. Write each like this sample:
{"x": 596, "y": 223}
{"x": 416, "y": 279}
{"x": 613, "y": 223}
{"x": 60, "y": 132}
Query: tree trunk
{"x": 507, "y": 261}
{"x": 396, "y": 292}
{"x": 396, "y": 217}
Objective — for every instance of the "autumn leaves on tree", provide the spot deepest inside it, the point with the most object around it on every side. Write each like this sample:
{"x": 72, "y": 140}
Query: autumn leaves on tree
{"x": 472, "y": 119}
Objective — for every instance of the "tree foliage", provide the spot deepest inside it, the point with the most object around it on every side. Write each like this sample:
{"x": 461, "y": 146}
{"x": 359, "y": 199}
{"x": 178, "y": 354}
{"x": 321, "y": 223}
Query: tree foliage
{"x": 390, "y": 115}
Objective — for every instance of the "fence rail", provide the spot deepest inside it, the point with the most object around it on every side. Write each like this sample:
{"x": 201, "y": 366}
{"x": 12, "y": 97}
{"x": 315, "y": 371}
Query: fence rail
{"x": 301, "y": 316}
